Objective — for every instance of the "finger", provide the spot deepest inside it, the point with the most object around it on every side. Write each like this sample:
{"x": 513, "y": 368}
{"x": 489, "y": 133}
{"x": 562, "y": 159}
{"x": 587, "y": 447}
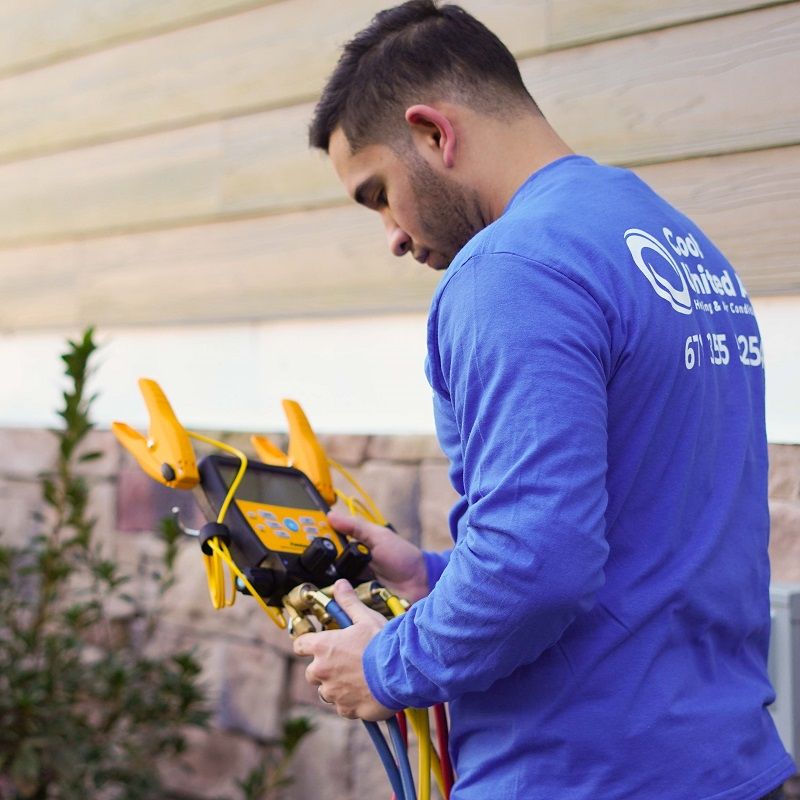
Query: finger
{"x": 305, "y": 645}
{"x": 359, "y": 528}
{"x": 342, "y": 522}
{"x": 346, "y": 597}
{"x": 312, "y": 675}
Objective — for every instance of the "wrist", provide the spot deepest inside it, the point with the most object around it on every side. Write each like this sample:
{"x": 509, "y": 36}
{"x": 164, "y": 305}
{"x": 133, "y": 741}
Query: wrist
{"x": 434, "y": 564}
{"x": 418, "y": 586}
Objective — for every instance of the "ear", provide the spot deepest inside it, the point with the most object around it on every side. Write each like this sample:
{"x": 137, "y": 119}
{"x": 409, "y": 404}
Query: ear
{"x": 436, "y": 130}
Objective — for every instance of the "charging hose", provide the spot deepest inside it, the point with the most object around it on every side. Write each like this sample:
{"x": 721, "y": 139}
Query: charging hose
{"x": 220, "y": 555}
{"x": 386, "y": 758}
{"x": 428, "y": 758}
{"x": 399, "y": 772}
{"x": 406, "y": 776}
{"x": 444, "y": 745}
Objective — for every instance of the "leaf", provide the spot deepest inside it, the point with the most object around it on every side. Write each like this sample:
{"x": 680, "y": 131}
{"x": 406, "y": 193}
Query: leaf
{"x": 92, "y": 456}
{"x": 294, "y": 730}
{"x": 49, "y": 492}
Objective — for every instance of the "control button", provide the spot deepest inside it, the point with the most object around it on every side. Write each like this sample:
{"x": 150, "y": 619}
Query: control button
{"x": 260, "y": 527}
{"x": 274, "y": 524}
{"x": 307, "y": 520}
{"x": 310, "y": 536}
{"x": 252, "y": 514}
{"x": 311, "y": 530}
{"x": 291, "y": 525}
{"x": 282, "y": 534}
{"x": 267, "y": 514}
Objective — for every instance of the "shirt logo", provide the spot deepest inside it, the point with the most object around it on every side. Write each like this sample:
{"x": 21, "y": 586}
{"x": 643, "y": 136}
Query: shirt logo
{"x": 660, "y": 268}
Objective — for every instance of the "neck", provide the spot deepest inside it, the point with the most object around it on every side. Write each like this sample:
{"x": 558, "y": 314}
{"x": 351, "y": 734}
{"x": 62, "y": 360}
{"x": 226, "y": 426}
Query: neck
{"x": 518, "y": 149}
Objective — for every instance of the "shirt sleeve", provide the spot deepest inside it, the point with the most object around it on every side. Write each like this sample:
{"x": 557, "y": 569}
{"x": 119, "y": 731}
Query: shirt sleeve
{"x": 522, "y": 352}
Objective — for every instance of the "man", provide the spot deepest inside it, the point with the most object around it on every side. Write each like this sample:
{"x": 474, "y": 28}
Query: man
{"x": 600, "y": 627}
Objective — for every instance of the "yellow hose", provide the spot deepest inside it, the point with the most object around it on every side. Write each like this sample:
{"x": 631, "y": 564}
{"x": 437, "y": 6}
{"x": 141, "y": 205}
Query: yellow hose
{"x": 428, "y": 758}
{"x": 214, "y": 564}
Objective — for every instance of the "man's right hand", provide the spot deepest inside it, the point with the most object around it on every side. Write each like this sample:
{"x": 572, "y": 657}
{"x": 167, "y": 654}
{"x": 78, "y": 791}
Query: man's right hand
{"x": 397, "y": 563}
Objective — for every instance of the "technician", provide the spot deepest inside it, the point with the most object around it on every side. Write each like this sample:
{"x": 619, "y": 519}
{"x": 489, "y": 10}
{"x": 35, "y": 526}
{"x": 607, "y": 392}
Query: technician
{"x": 600, "y": 627}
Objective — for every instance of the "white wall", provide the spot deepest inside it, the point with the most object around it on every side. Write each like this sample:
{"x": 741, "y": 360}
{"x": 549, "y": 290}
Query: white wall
{"x": 779, "y": 319}
{"x": 362, "y": 375}
{"x": 350, "y": 375}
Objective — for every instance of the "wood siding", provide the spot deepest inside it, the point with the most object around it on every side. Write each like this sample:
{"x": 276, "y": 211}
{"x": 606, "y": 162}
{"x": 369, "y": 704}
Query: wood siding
{"x": 154, "y": 167}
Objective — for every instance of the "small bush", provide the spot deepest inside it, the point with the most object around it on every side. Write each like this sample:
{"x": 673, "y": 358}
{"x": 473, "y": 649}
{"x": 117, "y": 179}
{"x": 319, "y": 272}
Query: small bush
{"x": 83, "y": 714}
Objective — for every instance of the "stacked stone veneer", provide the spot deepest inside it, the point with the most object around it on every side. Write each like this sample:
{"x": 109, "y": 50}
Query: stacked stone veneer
{"x": 250, "y": 673}
{"x": 252, "y": 678}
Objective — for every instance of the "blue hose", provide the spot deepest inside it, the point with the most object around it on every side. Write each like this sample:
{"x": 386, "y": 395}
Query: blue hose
{"x": 385, "y": 754}
{"x": 402, "y": 759}
{"x": 339, "y": 614}
{"x": 402, "y": 780}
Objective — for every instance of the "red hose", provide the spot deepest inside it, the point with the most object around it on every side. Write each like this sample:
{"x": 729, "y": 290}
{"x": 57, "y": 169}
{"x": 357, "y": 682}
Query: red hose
{"x": 443, "y": 742}
{"x": 401, "y": 722}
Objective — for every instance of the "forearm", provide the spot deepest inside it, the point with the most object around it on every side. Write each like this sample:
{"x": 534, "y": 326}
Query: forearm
{"x": 487, "y": 614}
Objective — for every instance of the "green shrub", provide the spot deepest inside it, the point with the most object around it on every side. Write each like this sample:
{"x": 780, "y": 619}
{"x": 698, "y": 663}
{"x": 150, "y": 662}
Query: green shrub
{"x": 83, "y": 713}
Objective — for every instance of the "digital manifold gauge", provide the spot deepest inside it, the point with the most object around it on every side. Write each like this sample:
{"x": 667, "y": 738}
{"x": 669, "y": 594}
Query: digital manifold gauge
{"x": 277, "y": 529}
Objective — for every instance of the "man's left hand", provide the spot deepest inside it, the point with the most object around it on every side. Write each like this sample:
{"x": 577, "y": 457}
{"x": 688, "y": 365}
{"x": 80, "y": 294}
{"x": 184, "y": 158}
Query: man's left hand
{"x": 336, "y": 659}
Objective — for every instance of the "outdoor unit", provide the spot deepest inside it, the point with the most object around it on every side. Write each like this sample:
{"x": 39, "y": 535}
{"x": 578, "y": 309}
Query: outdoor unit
{"x": 784, "y": 663}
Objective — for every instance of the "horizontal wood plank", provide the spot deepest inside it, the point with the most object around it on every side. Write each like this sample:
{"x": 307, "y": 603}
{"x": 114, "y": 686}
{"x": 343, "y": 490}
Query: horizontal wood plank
{"x": 748, "y": 204}
{"x": 271, "y": 56}
{"x": 332, "y": 261}
{"x": 579, "y": 21}
{"x": 257, "y": 164}
{"x": 281, "y": 53}
{"x": 36, "y": 32}
{"x": 335, "y": 261}
{"x": 707, "y": 88}
{"x": 260, "y": 163}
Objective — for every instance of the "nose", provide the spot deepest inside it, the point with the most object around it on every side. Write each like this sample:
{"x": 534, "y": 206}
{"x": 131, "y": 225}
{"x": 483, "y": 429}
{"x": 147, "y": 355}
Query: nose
{"x": 399, "y": 240}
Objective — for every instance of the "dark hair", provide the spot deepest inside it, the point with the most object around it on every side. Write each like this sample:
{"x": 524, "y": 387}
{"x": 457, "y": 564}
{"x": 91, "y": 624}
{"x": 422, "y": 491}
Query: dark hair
{"x": 411, "y": 47}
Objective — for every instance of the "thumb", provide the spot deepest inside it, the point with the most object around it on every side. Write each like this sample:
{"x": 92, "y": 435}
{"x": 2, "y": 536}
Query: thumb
{"x": 345, "y": 595}
{"x": 370, "y": 533}
{"x": 342, "y": 522}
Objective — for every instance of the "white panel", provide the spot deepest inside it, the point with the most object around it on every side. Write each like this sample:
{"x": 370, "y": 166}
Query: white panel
{"x": 362, "y": 375}
{"x": 30, "y": 379}
{"x": 351, "y": 375}
{"x": 779, "y": 320}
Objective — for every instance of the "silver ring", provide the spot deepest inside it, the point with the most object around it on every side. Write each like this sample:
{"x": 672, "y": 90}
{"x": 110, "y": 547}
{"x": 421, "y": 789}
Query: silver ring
{"x": 323, "y": 698}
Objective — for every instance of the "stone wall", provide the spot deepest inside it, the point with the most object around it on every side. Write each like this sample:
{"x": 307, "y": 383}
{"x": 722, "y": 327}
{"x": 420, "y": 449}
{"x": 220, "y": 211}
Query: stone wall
{"x": 784, "y": 506}
{"x": 251, "y": 675}
{"x": 784, "y": 546}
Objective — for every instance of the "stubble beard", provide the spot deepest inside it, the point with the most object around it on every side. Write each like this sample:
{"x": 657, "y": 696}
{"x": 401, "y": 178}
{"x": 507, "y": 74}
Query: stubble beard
{"x": 449, "y": 215}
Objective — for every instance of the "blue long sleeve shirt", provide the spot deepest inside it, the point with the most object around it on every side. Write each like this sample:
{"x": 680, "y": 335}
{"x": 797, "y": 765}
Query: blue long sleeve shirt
{"x": 600, "y": 627}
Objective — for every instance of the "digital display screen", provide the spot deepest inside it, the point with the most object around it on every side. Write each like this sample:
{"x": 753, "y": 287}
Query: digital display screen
{"x": 270, "y": 488}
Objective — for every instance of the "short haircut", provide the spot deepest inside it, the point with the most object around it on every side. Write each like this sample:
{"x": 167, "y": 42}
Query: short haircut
{"x": 412, "y": 47}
